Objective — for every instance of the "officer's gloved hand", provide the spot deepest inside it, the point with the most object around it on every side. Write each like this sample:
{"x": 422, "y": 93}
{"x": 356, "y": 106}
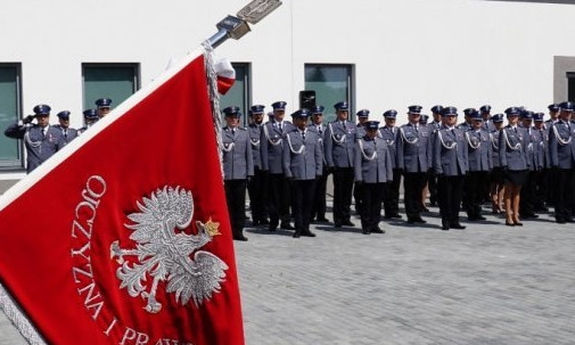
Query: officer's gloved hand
{"x": 28, "y": 119}
{"x": 250, "y": 178}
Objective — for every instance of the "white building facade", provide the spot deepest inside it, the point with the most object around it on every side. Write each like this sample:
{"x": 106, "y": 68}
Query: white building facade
{"x": 378, "y": 55}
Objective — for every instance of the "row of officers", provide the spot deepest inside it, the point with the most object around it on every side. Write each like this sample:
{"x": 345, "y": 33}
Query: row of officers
{"x": 521, "y": 167}
{"x": 42, "y": 140}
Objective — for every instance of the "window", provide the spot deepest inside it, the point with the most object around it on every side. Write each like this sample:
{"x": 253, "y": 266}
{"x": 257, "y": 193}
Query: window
{"x": 240, "y": 94}
{"x": 571, "y": 86}
{"x": 10, "y": 111}
{"x": 332, "y": 83}
{"x": 114, "y": 81}
{"x": 563, "y": 78}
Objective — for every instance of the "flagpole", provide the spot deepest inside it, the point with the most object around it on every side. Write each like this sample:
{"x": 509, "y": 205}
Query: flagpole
{"x": 237, "y": 26}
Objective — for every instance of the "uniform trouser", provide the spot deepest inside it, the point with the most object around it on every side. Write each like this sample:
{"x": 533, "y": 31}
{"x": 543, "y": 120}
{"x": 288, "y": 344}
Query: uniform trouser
{"x": 449, "y": 192}
{"x": 257, "y": 190}
{"x": 319, "y": 204}
{"x": 302, "y": 202}
{"x": 372, "y": 196}
{"x": 413, "y": 184}
{"x": 279, "y": 200}
{"x": 528, "y": 195}
{"x": 391, "y": 196}
{"x": 542, "y": 183}
{"x": 357, "y": 196}
{"x": 236, "y": 200}
{"x": 342, "y": 188}
{"x": 564, "y": 183}
{"x": 475, "y": 182}
{"x": 432, "y": 187}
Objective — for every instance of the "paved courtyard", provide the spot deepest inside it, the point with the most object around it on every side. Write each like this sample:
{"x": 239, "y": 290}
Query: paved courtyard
{"x": 488, "y": 284}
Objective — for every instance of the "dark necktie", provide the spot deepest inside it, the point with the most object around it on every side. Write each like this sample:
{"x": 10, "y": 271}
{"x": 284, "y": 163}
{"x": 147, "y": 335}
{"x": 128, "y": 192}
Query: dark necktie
{"x": 303, "y": 135}
{"x": 65, "y": 133}
{"x": 43, "y": 132}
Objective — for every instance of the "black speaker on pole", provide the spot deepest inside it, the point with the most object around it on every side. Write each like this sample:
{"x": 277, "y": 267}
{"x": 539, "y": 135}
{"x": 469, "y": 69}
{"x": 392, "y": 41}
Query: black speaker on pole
{"x": 306, "y": 99}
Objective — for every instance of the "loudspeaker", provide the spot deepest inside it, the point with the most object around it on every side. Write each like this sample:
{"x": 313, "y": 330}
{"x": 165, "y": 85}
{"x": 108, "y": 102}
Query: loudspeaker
{"x": 306, "y": 99}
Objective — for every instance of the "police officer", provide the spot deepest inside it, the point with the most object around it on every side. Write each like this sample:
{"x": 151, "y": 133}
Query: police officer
{"x": 238, "y": 168}
{"x": 542, "y": 177}
{"x": 466, "y": 124}
{"x": 414, "y": 160}
{"x": 534, "y": 158}
{"x": 513, "y": 160}
{"x": 479, "y": 162}
{"x": 68, "y": 134}
{"x": 257, "y": 186}
{"x": 273, "y": 133}
{"x": 303, "y": 163}
{"x": 319, "y": 204}
{"x": 372, "y": 169}
{"x": 435, "y": 125}
{"x": 450, "y": 166}
{"x": 362, "y": 117}
{"x": 391, "y": 195}
{"x": 485, "y": 111}
{"x": 103, "y": 106}
{"x": 553, "y": 115}
{"x": 562, "y": 155}
{"x": 497, "y": 185}
{"x": 339, "y": 144}
{"x": 552, "y": 188}
{"x": 90, "y": 118}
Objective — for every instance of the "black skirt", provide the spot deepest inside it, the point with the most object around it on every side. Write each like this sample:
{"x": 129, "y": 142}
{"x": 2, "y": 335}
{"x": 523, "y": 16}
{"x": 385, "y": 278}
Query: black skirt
{"x": 516, "y": 177}
{"x": 497, "y": 175}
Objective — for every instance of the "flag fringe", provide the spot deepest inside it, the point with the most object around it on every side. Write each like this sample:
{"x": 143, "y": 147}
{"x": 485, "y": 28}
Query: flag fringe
{"x": 21, "y": 322}
{"x": 214, "y": 98}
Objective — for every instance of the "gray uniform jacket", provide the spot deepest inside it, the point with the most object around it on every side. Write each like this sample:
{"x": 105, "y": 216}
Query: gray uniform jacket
{"x": 479, "y": 148}
{"x": 494, "y": 137}
{"x": 38, "y": 147}
{"x": 255, "y": 133}
{"x": 413, "y": 148}
{"x": 237, "y": 154}
{"x": 272, "y": 145}
{"x": 562, "y": 145}
{"x": 302, "y": 158}
{"x": 320, "y": 130}
{"x": 450, "y": 152}
{"x": 389, "y": 134}
{"x": 513, "y": 148}
{"x": 373, "y": 163}
{"x": 67, "y": 135}
{"x": 542, "y": 141}
{"x": 339, "y": 141}
{"x": 534, "y": 157}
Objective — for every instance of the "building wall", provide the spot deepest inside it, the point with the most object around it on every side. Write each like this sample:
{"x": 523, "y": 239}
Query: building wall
{"x": 453, "y": 52}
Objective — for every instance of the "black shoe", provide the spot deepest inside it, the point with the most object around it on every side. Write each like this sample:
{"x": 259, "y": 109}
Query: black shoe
{"x": 240, "y": 238}
{"x": 560, "y": 221}
{"x": 286, "y": 226}
{"x": 411, "y": 220}
{"x": 272, "y": 228}
{"x": 308, "y": 233}
{"x": 322, "y": 220}
{"x": 518, "y": 223}
{"x": 570, "y": 220}
{"x": 378, "y": 231}
{"x": 365, "y": 232}
{"x": 337, "y": 224}
{"x": 347, "y": 222}
{"x": 457, "y": 226}
{"x": 264, "y": 221}
{"x": 296, "y": 234}
{"x": 420, "y": 220}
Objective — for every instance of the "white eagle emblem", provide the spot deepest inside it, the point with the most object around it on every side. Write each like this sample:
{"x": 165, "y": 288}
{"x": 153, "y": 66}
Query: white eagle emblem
{"x": 165, "y": 254}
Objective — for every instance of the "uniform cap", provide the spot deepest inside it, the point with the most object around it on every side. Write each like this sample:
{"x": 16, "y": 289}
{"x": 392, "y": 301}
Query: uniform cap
{"x": 301, "y": 114}
{"x": 279, "y": 105}
{"x": 423, "y": 119}
{"x": 567, "y": 106}
{"x": 362, "y": 113}
{"x": 538, "y": 117}
{"x": 528, "y": 115}
{"x": 232, "y": 111}
{"x": 497, "y": 118}
{"x": 475, "y": 116}
{"x": 64, "y": 114}
{"x": 317, "y": 109}
{"x": 414, "y": 109}
{"x": 90, "y": 113}
{"x": 341, "y": 105}
{"x": 437, "y": 109}
{"x": 512, "y": 111}
{"x": 553, "y": 107}
{"x": 42, "y": 109}
{"x": 371, "y": 125}
{"x": 257, "y": 109}
{"x": 485, "y": 108}
{"x": 390, "y": 114}
{"x": 103, "y": 103}
{"x": 470, "y": 112}
{"x": 449, "y": 111}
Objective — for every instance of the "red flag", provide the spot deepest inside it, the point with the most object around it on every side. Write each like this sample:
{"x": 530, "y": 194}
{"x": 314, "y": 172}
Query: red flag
{"x": 123, "y": 237}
